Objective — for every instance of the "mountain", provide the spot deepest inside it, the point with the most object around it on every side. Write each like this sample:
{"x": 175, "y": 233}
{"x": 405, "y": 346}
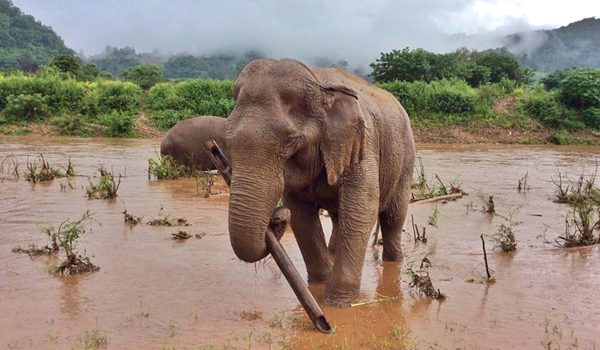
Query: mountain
{"x": 574, "y": 45}
{"x": 24, "y": 42}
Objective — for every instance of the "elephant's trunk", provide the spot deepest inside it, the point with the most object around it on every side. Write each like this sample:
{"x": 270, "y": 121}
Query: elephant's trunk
{"x": 252, "y": 201}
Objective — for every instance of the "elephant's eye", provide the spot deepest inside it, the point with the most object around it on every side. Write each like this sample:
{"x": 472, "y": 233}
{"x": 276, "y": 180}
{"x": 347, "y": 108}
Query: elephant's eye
{"x": 292, "y": 143}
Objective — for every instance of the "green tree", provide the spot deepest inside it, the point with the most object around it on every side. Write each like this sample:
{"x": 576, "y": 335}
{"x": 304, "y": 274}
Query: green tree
{"x": 66, "y": 64}
{"x": 502, "y": 65}
{"x": 581, "y": 88}
{"x": 145, "y": 75}
{"x": 88, "y": 72}
{"x": 115, "y": 60}
{"x": 407, "y": 65}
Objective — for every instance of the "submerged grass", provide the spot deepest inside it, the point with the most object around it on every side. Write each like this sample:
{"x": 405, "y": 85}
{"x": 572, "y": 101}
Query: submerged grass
{"x": 92, "y": 340}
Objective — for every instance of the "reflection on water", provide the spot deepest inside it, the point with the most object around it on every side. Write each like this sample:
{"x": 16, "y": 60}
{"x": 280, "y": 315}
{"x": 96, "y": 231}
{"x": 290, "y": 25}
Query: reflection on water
{"x": 152, "y": 292}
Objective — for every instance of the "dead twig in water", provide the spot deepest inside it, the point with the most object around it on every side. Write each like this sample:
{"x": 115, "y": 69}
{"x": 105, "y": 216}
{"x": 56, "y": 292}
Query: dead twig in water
{"x": 448, "y": 197}
{"x": 417, "y": 235}
{"x": 523, "y": 186}
{"x": 180, "y": 235}
{"x": 487, "y": 268}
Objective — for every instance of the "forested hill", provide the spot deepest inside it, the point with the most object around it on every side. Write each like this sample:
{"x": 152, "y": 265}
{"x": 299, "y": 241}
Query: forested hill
{"x": 24, "y": 42}
{"x": 574, "y": 45}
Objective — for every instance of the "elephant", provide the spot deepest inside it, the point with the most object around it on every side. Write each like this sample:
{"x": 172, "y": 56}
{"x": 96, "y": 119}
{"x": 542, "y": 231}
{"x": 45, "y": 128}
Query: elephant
{"x": 185, "y": 141}
{"x": 320, "y": 138}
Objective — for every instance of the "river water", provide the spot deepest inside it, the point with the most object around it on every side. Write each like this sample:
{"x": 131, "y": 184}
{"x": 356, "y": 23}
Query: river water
{"x": 153, "y": 292}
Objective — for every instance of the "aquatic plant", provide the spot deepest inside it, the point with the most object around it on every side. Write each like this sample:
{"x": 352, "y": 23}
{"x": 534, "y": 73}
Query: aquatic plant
{"x": 432, "y": 221}
{"x": 105, "y": 188}
{"x": 166, "y": 168}
{"x": 164, "y": 220}
{"x": 488, "y": 204}
{"x": 131, "y": 219}
{"x": 504, "y": 238}
{"x": 583, "y": 196}
{"x": 420, "y": 280}
{"x": 65, "y": 238}
{"x": 42, "y": 171}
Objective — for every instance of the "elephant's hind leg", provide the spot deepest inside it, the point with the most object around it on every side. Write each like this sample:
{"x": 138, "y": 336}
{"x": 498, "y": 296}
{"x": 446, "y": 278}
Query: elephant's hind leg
{"x": 309, "y": 234}
{"x": 392, "y": 220}
{"x": 334, "y": 232}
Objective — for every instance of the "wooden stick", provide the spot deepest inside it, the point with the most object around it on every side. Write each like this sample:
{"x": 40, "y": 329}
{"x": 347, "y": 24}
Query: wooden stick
{"x": 437, "y": 199}
{"x": 487, "y": 269}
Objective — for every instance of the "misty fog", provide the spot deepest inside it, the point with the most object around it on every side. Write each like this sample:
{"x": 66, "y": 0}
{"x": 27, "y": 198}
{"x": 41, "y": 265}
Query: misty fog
{"x": 354, "y": 30}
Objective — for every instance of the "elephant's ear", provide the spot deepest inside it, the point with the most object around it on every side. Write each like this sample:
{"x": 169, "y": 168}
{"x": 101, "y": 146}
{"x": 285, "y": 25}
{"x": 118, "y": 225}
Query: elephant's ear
{"x": 343, "y": 138}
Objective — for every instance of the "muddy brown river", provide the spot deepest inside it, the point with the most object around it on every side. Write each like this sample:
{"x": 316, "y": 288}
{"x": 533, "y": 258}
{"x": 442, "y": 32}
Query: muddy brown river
{"x": 153, "y": 293}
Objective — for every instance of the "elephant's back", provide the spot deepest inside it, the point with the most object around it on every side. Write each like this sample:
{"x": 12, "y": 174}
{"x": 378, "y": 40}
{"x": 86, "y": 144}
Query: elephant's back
{"x": 185, "y": 140}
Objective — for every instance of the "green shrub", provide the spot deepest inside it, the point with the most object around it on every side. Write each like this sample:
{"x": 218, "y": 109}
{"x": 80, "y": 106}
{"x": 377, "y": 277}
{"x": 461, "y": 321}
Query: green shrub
{"x": 165, "y": 167}
{"x": 581, "y": 88}
{"x": 72, "y": 125}
{"x": 144, "y": 75}
{"x": 25, "y": 107}
{"x": 171, "y": 102}
{"x": 113, "y": 96}
{"x": 561, "y": 137}
{"x": 452, "y": 102}
{"x": 414, "y": 96}
{"x": 477, "y": 75}
{"x": 546, "y": 109}
{"x": 165, "y": 120}
{"x": 206, "y": 97}
{"x": 452, "y": 97}
{"x": 507, "y": 86}
{"x": 60, "y": 95}
{"x": 552, "y": 80}
{"x": 591, "y": 117}
{"x": 162, "y": 97}
{"x": 119, "y": 124}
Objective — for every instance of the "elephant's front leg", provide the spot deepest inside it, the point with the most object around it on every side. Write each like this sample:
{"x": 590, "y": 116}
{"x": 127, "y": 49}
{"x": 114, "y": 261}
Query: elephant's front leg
{"x": 357, "y": 214}
{"x": 309, "y": 234}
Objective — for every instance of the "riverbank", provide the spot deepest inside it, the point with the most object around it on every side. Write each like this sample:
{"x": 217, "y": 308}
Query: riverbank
{"x": 525, "y": 131}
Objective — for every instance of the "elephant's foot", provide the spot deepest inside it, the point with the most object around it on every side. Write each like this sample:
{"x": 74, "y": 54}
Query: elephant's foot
{"x": 392, "y": 255}
{"x": 340, "y": 299}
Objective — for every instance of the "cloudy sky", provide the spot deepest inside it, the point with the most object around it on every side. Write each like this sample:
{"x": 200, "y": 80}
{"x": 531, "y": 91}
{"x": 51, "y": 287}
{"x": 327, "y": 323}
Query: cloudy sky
{"x": 354, "y": 29}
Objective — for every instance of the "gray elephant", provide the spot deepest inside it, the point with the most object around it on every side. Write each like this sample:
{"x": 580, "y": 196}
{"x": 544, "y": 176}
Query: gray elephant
{"x": 185, "y": 141}
{"x": 319, "y": 138}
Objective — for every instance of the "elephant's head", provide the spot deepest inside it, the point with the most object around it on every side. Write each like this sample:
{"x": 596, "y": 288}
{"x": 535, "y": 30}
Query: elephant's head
{"x": 286, "y": 128}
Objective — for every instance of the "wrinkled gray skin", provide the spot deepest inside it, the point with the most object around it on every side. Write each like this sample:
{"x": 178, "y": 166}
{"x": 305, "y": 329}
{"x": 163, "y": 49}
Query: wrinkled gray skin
{"x": 319, "y": 138}
{"x": 185, "y": 141}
